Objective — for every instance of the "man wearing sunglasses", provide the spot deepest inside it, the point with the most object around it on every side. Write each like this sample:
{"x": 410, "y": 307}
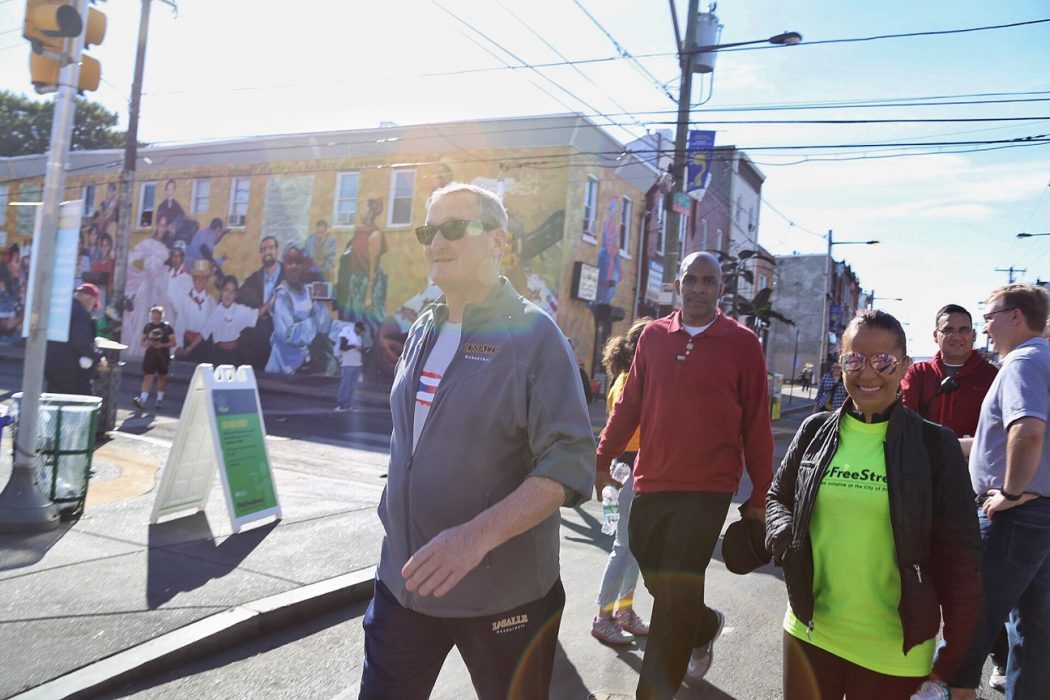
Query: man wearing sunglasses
{"x": 926, "y": 388}
{"x": 1010, "y": 473}
{"x": 491, "y": 436}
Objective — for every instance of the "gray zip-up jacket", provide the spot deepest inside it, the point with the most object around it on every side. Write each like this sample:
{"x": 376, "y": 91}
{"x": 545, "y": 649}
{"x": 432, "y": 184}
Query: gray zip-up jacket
{"x": 509, "y": 406}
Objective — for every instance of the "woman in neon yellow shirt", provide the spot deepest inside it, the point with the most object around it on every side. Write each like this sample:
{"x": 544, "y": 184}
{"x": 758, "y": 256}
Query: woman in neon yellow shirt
{"x": 872, "y": 516}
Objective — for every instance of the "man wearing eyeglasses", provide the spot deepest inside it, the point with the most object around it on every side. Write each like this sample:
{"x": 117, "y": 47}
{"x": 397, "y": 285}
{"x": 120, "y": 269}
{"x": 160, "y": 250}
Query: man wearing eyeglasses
{"x": 949, "y": 388}
{"x": 1010, "y": 473}
{"x": 491, "y": 436}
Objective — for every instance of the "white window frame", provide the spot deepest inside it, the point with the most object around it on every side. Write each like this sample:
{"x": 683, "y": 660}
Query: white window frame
{"x": 141, "y": 221}
{"x": 196, "y": 207}
{"x": 626, "y": 216}
{"x": 394, "y": 176}
{"x": 25, "y": 216}
{"x": 704, "y": 245}
{"x": 661, "y": 225}
{"x": 89, "y": 201}
{"x": 233, "y": 218}
{"x": 337, "y": 199}
{"x": 590, "y": 210}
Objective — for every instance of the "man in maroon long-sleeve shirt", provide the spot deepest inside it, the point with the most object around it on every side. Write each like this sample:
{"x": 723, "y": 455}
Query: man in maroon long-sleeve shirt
{"x": 698, "y": 391}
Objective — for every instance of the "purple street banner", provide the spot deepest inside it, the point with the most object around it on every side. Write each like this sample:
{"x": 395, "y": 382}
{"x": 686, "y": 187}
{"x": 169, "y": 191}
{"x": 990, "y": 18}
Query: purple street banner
{"x": 699, "y": 155}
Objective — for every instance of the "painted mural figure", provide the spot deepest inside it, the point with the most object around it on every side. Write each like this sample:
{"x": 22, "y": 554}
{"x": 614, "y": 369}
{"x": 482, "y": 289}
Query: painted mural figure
{"x": 147, "y": 286}
{"x": 226, "y": 323}
{"x": 170, "y": 209}
{"x": 257, "y": 292}
{"x": 609, "y": 257}
{"x": 192, "y": 311}
{"x": 321, "y": 249}
{"x": 302, "y": 325}
{"x": 203, "y": 243}
{"x": 362, "y": 281}
{"x": 106, "y": 262}
{"x": 179, "y": 279}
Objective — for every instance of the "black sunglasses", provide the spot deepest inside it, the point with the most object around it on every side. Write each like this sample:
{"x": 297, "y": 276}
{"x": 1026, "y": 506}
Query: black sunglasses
{"x": 453, "y": 230}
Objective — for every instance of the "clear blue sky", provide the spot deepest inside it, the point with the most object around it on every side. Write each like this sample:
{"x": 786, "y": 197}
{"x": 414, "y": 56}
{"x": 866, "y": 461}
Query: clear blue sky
{"x": 946, "y": 220}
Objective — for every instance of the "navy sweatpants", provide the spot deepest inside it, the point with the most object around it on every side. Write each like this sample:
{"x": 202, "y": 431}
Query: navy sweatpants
{"x": 510, "y": 655}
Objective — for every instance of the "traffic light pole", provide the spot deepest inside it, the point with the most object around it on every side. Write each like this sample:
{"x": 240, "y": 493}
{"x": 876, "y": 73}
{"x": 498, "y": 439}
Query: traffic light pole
{"x": 22, "y": 507}
{"x": 681, "y": 138}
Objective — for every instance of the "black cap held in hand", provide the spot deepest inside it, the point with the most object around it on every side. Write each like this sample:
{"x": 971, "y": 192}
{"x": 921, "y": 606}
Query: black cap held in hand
{"x": 743, "y": 546}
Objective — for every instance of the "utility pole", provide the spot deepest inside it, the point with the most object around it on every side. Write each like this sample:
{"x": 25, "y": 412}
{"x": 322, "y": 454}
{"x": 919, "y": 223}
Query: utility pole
{"x": 22, "y": 507}
{"x": 672, "y": 219}
{"x": 1010, "y": 271}
{"x": 118, "y": 301}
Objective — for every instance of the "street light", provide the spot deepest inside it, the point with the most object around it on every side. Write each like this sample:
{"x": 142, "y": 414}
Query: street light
{"x": 688, "y": 55}
{"x": 1031, "y": 235}
{"x": 827, "y": 293}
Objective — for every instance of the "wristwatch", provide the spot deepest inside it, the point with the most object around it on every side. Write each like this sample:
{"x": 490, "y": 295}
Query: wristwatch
{"x": 1009, "y": 496}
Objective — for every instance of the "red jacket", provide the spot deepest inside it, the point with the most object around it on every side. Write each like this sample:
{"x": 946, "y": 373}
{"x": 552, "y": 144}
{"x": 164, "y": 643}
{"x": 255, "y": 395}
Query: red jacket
{"x": 958, "y": 410}
{"x": 703, "y": 413}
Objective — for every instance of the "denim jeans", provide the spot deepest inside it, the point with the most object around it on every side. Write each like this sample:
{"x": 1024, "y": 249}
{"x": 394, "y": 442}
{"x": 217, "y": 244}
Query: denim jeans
{"x": 621, "y": 571}
{"x": 1015, "y": 569}
{"x": 347, "y": 385}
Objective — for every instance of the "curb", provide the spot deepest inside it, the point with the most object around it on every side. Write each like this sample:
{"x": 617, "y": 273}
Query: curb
{"x": 210, "y": 635}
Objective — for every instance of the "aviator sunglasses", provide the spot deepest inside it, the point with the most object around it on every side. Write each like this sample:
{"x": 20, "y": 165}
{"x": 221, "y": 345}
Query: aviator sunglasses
{"x": 452, "y": 230}
{"x": 881, "y": 362}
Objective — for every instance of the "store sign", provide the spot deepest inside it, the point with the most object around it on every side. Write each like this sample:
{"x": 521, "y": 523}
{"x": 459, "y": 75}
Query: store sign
{"x": 584, "y": 281}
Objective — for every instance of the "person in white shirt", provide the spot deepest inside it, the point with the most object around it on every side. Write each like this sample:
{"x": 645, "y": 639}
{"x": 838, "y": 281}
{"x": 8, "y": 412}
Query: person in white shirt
{"x": 350, "y": 344}
{"x": 224, "y": 326}
{"x": 192, "y": 311}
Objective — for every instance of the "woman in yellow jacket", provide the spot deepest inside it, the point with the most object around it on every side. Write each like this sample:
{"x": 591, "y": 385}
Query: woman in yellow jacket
{"x": 617, "y": 623}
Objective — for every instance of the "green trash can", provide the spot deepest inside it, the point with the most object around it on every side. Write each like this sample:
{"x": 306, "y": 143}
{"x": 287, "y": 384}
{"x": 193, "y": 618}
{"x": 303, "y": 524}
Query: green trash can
{"x": 65, "y": 447}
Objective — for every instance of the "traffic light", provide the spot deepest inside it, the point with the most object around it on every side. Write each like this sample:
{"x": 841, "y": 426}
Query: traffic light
{"x": 48, "y": 24}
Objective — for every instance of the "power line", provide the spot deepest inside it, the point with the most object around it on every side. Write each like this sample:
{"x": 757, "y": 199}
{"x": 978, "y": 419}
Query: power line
{"x": 560, "y": 55}
{"x": 624, "y": 53}
{"x": 524, "y": 63}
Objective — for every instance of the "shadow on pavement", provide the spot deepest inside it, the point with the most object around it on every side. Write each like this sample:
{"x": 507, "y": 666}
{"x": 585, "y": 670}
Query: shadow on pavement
{"x": 289, "y": 635}
{"x": 591, "y": 530}
{"x": 137, "y": 423}
{"x": 20, "y": 550}
{"x": 190, "y": 537}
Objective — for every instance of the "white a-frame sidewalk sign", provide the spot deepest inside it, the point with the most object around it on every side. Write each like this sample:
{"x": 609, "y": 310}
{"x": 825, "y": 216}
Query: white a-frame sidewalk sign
{"x": 220, "y": 429}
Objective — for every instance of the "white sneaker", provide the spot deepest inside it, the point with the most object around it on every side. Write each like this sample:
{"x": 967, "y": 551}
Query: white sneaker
{"x": 997, "y": 681}
{"x": 606, "y": 631}
{"x": 702, "y": 657}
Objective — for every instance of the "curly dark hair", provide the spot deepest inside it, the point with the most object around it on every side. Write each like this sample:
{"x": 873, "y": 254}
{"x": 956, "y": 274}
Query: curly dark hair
{"x": 619, "y": 349}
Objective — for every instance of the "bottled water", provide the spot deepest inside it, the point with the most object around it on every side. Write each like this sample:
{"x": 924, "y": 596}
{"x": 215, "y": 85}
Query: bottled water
{"x": 610, "y": 509}
{"x": 932, "y": 690}
{"x": 620, "y": 472}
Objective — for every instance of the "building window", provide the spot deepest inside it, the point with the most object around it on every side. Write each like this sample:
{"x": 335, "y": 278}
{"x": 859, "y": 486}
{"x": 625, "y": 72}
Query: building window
{"x": 147, "y": 200}
{"x": 751, "y": 219}
{"x": 739, "y": 207}
{"x": 626, "y": 214}
{"x": 200, "y": 198}
{"x": 4, "y": 196}
{"x": 25, "y": 216}
{"x": 704, "y": 245}
{"x": 345, "y": 210}
{"x": 590, "y": 208}
{"x": 661, "y": 225}
{"x": 239, "y": 201}
{"x": 402, "y": 187}
{"x": 87, "y": 193}
{"x": 722, "y": 240}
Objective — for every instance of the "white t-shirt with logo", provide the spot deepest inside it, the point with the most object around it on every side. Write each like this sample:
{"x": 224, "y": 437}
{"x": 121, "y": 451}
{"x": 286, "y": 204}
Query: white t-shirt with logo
{"x": 437, "y": 362}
